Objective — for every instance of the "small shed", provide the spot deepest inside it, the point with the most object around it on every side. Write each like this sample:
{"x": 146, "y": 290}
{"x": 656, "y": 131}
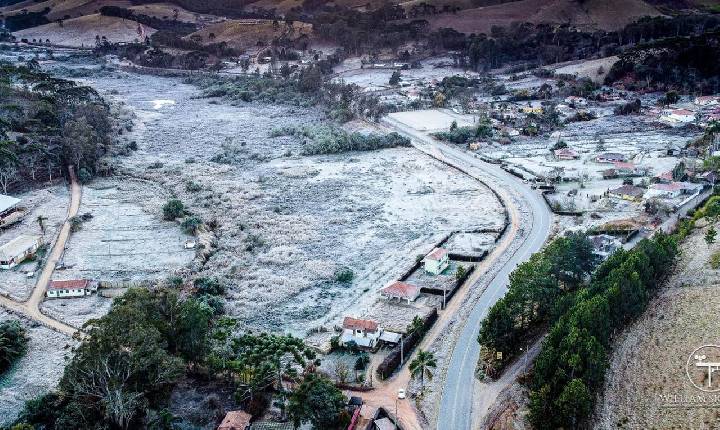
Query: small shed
{"x": 235, "y": 420}
{"x": 401, "y": 290}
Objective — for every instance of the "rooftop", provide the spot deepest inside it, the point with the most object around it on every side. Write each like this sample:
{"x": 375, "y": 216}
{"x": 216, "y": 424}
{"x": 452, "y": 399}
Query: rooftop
{"x": 351, "y": 323}
{"x": 629, "y": 190}
{"x": 70, "y": 284}
{"x": 7, "y": 202}
{"x": 401, "y": 289}
{"x": 437, "y": 254}
{"x": 18, "y": 246}
{"x": 235, "y": 420}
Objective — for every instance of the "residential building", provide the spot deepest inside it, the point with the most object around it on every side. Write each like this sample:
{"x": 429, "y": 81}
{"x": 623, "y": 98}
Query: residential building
{"x": 670, "y": 190}
{"x": 18, "y": 250}
{"x": 436, "y": 261}
{"x": 627, "y": 192}
{"x": 365, "y": 333}
{"x": 566, "y": 154}
{"x": 7, "y": 204}
{"x": 707, "y": 100}
{"x": 401, "y": 291}
{"x": 678, "y": 116}
{"x": 664, "y": 178}
{"x": 624, "y": 169}
{"x": 235, "y": 420}
{"x": 610, "y": 157}
{"x": 70, "y": 288}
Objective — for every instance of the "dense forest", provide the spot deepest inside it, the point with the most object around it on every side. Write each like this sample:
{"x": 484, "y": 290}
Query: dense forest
{"x": 47, "y": 123}
{"x": 687, "y": 65}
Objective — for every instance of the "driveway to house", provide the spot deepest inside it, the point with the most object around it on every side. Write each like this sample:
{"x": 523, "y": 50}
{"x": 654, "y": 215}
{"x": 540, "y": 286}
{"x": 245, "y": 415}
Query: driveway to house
{"x": 31, "y": 307}
{"x": 456, "y": 405}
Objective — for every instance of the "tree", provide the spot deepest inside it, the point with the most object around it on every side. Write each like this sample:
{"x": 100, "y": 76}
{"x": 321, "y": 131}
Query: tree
{"x": 460, "y": 272}
{"x": 575, "y": 403}
{"x": 317, "y": 401}
{"x": 422, "y": 365}
{"x": 710, "y": 235}
{"x": 41, "y": 223}
{"x": 174, "y": 208}
{"x": 395, "y": 78}
{"x": 417, "y": 325}
{"x": 13, "y": 343}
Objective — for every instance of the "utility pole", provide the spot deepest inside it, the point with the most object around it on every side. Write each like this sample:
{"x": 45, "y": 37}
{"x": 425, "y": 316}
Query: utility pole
{"x": 444, "y": 300}
{"x": 402, "y": 350}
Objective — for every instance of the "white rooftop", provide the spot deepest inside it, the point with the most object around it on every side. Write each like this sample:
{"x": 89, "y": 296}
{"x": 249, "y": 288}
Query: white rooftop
{"x": 18, "y": 246}
{"x": 7, "y": 202}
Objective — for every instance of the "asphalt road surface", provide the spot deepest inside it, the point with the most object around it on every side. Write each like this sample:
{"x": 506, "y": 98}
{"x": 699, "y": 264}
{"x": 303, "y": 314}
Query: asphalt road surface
{"x": 457, "y": 396}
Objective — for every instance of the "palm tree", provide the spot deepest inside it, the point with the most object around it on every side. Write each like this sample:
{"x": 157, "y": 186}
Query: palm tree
{"x": 41, "y": 222}
{"x": 421, "y": 365}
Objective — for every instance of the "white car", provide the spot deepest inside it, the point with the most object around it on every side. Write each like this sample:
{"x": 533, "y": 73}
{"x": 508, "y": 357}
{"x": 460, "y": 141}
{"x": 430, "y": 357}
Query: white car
{"x": 401, "y": 393}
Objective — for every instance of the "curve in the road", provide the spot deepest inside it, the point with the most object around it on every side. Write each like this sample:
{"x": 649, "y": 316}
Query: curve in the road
{"x": 456, "y": 405}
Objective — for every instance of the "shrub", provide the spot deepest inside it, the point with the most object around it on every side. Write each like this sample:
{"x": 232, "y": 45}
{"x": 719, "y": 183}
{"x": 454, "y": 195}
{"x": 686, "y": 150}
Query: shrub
{"x": 344, "y": 275}
{"x": 84, "y": 175}
{"x": 715, "y": 260}
{"x": 191, "y": 224}
{"x": 211, "y": 286}
{"x": 173, "y": 208}
{"x": 14, "y": 341}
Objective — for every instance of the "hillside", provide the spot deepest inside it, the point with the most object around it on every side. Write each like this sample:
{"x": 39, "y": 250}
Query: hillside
{"x": 647, "y": 385}
{"x": 81, "y": 32}
{"x": 246, "y": 34}
{"x": 592, "y": 14}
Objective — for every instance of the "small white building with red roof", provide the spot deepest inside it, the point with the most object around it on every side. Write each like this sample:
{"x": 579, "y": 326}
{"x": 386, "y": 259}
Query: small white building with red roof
{"x": 70, "y": 288}
{"x": 436, "y": 261}
{"x": 401, "y": 291}
{"x": 365, "y": 333}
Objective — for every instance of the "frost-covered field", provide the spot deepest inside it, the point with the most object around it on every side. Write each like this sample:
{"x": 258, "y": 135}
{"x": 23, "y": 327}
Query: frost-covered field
{"x": 35, "y": 373}
{"x": 285, "y": 223}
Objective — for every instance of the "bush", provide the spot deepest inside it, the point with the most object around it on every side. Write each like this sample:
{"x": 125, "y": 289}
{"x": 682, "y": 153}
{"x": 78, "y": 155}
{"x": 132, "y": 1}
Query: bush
{"x": 84, "y": 175}
{"x": 174, "y": 208}
{"x": 344, "y": 275}
{"x": 211, "y": 286}
{"x": 13, "y": 340}
{"x": 715, "y": 260}
{"x": 191, "y": 224}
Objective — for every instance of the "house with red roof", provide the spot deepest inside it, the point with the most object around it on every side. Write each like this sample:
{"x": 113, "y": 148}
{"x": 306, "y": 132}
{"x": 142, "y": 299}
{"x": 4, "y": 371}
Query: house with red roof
{"x": 364, "y": 333}
{"x": 235, "y": 420}
{"x": 70, "y": 288}
{"x": 401, "y": 291}
{"x": 436, "y": 261}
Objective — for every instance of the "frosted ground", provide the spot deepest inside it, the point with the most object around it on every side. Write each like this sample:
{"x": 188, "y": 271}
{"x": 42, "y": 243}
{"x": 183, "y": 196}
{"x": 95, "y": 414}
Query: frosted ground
{"x": 35, "y": 373}
{"x": 50, "y": 203}
{"x": 285, "y": 223}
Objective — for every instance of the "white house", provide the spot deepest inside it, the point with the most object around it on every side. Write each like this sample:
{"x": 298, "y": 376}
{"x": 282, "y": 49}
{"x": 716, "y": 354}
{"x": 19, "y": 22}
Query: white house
{"x": 436, "y": 261}
{"x": 18, "y": 250}
{"x": 678, "y": 116}
{"x": 401, "y": 290}
{"x": 7, "y": 204}
{"x": 69, "y": 288}
{"x": 365, "y": 333}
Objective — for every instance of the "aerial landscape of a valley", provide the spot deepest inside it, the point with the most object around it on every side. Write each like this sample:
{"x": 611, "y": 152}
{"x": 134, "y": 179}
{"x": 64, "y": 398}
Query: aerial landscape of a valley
{"x": 327, "y": 214}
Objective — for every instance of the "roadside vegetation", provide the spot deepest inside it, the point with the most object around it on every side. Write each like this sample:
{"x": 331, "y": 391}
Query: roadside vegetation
{"x": 582, "y": 313}
{"x": 329, "y": 139}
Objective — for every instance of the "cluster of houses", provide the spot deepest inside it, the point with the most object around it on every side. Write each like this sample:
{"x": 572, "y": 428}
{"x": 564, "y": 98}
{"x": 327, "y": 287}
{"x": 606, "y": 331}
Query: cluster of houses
{"x": 367, "y": 333}
{"x": 703, "y": 111}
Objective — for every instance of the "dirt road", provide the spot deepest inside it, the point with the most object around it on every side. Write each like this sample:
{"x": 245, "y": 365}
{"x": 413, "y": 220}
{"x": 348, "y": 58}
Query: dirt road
{"x": 31, "y": 307}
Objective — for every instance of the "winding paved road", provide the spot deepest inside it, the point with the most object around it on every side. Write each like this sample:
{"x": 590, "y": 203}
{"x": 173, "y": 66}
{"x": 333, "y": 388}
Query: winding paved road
{"x": 456, "y": 406}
